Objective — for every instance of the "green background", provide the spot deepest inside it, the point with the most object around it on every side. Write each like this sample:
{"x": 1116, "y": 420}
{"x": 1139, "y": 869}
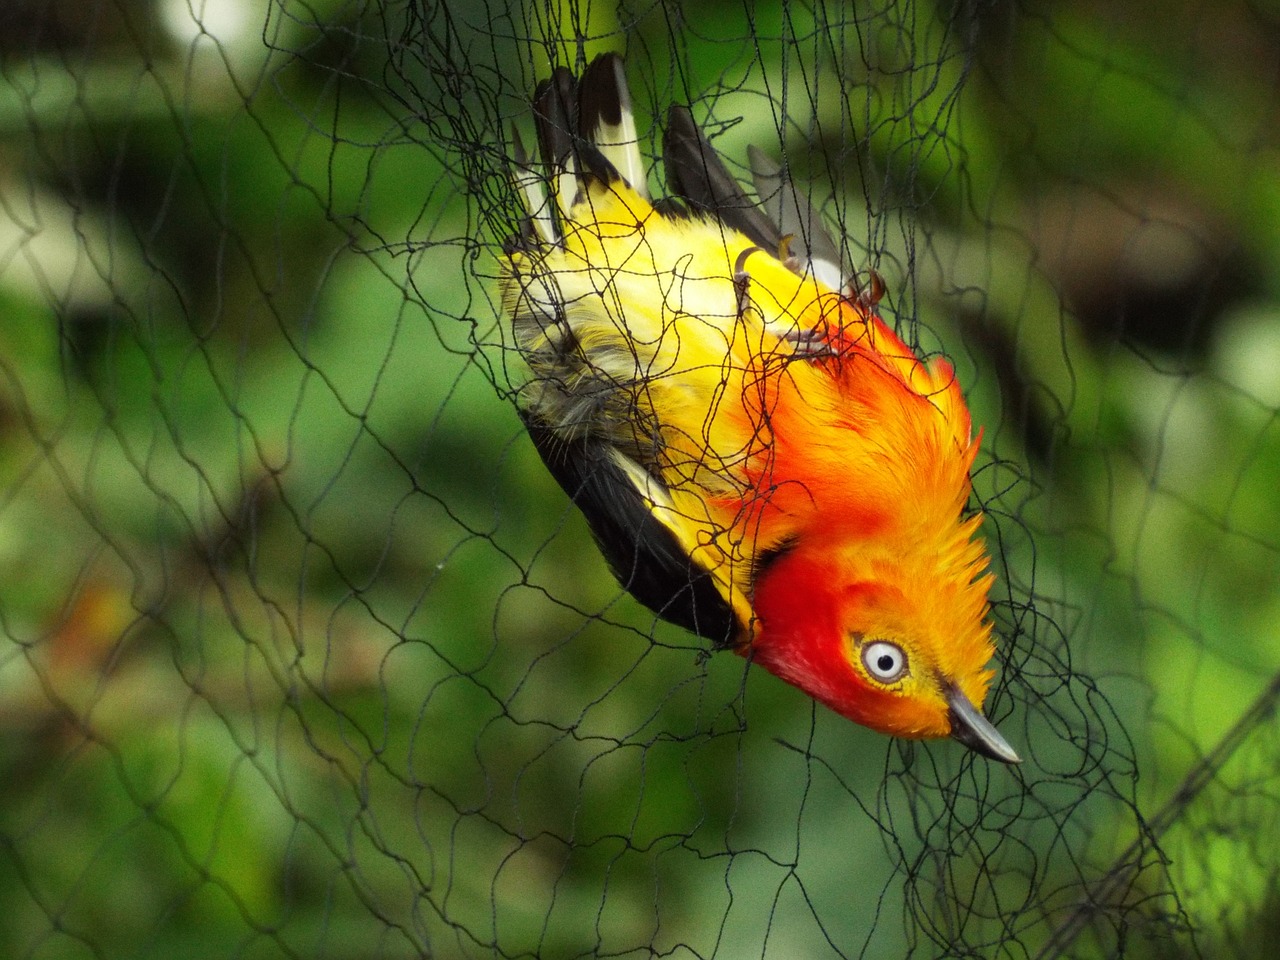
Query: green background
{"x": 303, "y": 654}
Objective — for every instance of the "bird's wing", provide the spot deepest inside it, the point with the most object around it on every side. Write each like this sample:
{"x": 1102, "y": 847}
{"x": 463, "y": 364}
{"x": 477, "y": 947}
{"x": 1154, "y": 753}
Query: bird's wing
{"x": 796, "y": 217}
{"x": 697, "y": 175}
{"x": 647, "y": 558}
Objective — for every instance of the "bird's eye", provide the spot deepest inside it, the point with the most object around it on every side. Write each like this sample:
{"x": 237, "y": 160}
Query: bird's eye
{"x": 885, "y": 661}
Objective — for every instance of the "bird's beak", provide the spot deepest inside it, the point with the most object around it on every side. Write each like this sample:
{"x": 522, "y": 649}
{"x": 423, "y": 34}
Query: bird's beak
{"x": 975, "y": 731}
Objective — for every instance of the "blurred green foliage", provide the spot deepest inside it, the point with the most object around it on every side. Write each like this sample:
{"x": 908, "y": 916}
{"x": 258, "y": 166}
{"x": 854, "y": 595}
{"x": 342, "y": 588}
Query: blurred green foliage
{"x": 304, "y": 654}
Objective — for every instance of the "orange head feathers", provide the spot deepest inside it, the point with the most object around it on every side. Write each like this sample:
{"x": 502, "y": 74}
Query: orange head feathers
{"x": 761, "y": 459}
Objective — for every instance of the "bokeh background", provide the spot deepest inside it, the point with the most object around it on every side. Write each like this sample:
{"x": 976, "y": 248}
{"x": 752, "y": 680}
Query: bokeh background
{"x": 302, "y": 653}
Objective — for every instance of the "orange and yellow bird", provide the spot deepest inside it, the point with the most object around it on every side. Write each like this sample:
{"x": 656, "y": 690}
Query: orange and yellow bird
{"x": 760, "y": 458}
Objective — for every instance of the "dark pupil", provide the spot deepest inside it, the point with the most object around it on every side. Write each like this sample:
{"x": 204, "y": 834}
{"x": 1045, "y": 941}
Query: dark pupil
{"x": 885, "y": 663}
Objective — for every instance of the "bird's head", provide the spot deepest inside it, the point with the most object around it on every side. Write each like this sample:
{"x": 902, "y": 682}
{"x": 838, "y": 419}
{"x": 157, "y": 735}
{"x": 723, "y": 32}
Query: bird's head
{"x": 897, "y": 641}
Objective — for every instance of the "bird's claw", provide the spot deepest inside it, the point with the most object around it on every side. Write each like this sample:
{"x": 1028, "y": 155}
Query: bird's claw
{"x": 742, "y": 280}
{"x": 808, "y": 342}
{"x": 868, "y": 294}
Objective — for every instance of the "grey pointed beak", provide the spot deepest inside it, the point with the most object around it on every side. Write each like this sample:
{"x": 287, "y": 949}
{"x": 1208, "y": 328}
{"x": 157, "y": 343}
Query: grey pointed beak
{"x": 975, "y": 731}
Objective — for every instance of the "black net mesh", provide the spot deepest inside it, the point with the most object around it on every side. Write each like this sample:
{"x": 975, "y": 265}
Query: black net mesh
{"x": 304, "y": 654}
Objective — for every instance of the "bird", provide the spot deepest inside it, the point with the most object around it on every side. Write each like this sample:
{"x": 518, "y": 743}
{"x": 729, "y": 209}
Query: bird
{"x": 761, "y": 459}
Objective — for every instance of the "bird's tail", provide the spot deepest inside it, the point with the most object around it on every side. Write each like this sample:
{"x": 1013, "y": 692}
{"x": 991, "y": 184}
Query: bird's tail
{"x": 586, "y": 133}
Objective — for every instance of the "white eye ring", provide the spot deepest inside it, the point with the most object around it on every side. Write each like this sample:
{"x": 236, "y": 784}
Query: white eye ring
{"x": 885, "y": 661}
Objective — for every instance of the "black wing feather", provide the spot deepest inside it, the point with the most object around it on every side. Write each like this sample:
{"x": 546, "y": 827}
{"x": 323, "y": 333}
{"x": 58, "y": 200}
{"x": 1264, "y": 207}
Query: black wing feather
{"x": 696, "y": 174}
{"x": 645, "y": 557}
